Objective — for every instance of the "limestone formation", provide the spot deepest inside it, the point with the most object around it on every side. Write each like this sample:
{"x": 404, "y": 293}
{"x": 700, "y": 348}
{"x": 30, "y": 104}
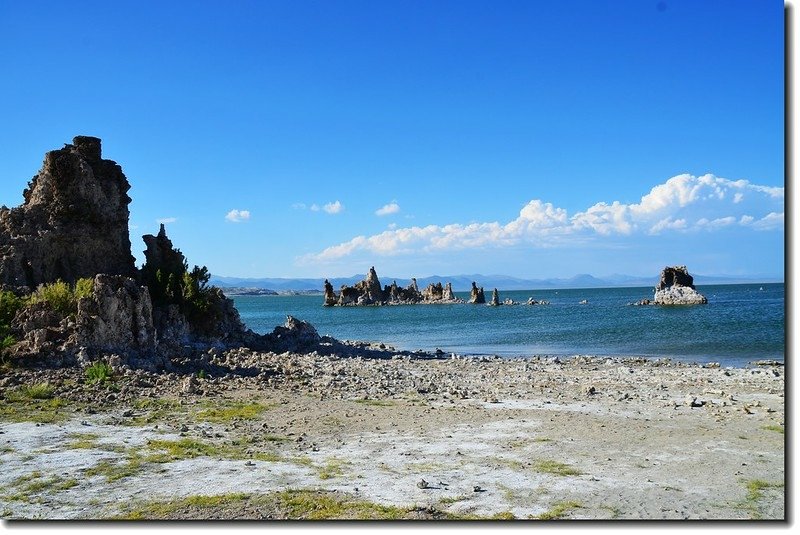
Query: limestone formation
{"x": 676, "y": 287}
{"x": 294, "y": 335}
{"x": 448, "y": 294}
{"x": 495, "y": 299}
{"x": 160, "y": 255}
{"x": 176, "y": 320}
{"x": 476, "y": 295}
{"x": 73, "y": 222}
{"x": 369, "y": 289}
{"x": 369, "y": 292}
{"x": 117, "y": 318}
{"x": 330, "y": 296}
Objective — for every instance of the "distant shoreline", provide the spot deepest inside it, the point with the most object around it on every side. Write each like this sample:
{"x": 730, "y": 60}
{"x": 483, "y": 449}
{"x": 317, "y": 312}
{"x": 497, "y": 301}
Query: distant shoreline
{"x": 234, "y": 291}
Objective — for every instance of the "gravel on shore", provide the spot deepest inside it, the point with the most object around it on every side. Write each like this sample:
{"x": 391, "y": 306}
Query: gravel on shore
{"x": 242, "y": 434}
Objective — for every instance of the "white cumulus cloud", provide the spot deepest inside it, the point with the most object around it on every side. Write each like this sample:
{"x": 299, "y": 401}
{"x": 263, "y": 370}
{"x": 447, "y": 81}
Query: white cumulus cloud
{"x": 165, "y": 220}
{"x": 237, "y": 216}
{"x": 771, "y": 221}
{"x": 388, "y": 209}
{"x": 684, "y": 203}
{"x": 333, "y": 207}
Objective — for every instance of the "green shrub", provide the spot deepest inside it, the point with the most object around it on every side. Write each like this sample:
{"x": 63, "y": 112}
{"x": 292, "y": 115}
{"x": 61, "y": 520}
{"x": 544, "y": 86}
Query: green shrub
{"x": 7, "y": 341}
{"x": 58, "y": 295}
{"x": 9, "y": 306}
{"x": 62, "y": 297}
{"x": 175, "y": 284}
{"x": 37, "y": 391}
{"x": 99, "y": 372}
{"x": 83, "y": 288}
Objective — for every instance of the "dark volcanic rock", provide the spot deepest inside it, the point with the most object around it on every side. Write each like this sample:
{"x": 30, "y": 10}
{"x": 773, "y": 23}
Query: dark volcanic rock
{"x": 73, "y": 223}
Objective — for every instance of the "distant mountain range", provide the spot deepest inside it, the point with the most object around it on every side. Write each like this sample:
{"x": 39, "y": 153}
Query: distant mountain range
{"x": 464, "y": 282}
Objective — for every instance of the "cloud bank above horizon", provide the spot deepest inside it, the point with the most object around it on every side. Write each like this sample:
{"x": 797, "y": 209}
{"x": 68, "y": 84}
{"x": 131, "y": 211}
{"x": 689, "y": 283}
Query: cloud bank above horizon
{"x": 684, "y": 204}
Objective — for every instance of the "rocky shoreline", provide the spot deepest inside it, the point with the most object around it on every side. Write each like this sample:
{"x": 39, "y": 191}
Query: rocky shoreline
{"x": 583, "y": 437}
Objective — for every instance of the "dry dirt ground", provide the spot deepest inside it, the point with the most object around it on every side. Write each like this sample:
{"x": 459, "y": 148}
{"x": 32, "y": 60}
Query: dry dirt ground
{"x": 461, "y": 438}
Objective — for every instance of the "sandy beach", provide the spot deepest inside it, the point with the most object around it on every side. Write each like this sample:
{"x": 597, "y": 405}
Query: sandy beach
{"x": 312, "y": 436}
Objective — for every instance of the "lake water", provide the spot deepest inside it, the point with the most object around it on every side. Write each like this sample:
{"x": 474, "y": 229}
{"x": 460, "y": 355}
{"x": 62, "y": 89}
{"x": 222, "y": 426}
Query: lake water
{"x": 741, "y": 323}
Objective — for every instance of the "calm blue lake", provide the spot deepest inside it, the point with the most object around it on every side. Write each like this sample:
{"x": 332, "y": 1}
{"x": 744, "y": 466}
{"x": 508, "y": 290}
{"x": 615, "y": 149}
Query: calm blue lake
{"x": 741, "y": 323}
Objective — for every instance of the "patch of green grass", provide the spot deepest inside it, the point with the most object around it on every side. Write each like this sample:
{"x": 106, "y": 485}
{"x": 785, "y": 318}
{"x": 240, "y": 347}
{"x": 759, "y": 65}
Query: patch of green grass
{"x": 315, "y": 505}
{"x": 45, "y": 411}
{"x": 508, "y": 493}
{"x": 454, "y": 499}
{"x": 755, "y": 488}
{"x": 555, "y": 468}
{"x": 185, "y": 448}
{"x": 755, "y": 493}
{"x": 267, "y": 456}
{"x": 558, "y": 510}
{"x": 332, "y": 468}
{"x": 376, "y": 402}
{"x": 37, "y": 391}
{"x": 777, "y": 428}
{"x": 83, "y": 441}
{"x": 158, "y": 409}
{"x": 156, "y": 510}
{"x": 290, "y": 504}
{"x": 503, "y": 515}
{"x": 233, "y": 411}
{"x": 114, "y": 470}
{"x": 295, "y": 504}
{"x": 27, "y": 486}
{"x": 99, "y": 373}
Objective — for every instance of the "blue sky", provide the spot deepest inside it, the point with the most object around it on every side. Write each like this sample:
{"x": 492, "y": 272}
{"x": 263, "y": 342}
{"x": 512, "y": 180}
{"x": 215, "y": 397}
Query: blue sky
{"x": 305, "y": 138}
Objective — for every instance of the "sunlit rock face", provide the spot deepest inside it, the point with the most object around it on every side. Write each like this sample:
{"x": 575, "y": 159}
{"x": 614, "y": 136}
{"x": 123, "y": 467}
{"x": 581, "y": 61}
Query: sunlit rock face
{"x": 73, "y": 222}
